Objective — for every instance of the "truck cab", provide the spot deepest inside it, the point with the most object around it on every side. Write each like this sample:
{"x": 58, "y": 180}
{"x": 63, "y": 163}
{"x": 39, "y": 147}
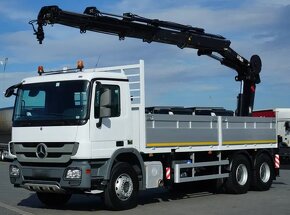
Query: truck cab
{"x": 68, "y": 124}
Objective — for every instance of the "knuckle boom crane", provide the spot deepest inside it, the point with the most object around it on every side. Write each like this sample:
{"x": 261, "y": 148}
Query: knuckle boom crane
{"x": 154, "y": 30}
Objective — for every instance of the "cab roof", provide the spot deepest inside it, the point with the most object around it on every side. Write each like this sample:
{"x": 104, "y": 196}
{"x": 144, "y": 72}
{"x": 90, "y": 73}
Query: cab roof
{"x": 66, "y": 75}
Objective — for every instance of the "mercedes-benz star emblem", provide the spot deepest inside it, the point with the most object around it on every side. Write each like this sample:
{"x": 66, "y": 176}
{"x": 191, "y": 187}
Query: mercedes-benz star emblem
{"x": 41, "y": 150}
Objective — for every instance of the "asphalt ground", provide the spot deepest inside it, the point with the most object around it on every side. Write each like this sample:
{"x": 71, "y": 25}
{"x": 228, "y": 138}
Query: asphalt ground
{"x": 15, "y": 201}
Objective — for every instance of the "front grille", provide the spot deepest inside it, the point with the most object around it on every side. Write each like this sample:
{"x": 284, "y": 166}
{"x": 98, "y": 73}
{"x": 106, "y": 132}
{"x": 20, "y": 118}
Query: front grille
{"x": 34, "y": 144}
{"x": 50, "y": 152}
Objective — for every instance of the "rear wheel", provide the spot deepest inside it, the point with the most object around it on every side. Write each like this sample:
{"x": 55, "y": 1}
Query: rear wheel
{"x": 263, "y": 173}
{"x": 121, "y": 192}
{"x": 238, "y": 181}
{"x": 53, "y": 199}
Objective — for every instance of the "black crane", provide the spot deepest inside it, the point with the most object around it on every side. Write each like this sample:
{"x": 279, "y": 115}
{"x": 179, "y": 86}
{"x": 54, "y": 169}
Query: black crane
{"x": 154, "y": 30}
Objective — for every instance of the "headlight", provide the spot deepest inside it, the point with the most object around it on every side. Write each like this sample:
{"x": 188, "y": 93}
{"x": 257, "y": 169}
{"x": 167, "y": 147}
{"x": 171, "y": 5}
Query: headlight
{"x": 14, "y": 171}
{"x": 73, "y": 173}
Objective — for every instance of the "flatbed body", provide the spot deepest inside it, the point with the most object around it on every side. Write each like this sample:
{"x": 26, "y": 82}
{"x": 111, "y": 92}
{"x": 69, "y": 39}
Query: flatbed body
{"x": 207, "y": 133}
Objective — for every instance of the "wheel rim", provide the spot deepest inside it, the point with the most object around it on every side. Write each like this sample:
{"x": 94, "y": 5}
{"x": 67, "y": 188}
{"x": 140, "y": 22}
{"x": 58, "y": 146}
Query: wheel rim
{"x": 124, "y": 187}
{"x": 242, "y": 174}
{"x": 265, "y": 172}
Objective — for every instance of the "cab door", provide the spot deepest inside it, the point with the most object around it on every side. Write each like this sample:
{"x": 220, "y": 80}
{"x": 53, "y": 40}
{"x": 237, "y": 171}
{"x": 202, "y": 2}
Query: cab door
{"x": 111, "y": 132}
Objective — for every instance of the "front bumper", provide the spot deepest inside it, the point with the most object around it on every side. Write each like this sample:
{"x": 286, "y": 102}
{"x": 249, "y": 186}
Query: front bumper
{"x": 52, "y": 178}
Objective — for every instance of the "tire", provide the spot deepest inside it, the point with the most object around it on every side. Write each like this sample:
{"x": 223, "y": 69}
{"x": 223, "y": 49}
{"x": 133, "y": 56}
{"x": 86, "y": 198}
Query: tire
{"x": 238, "y": 181}
{"x": 1, "y": 154}
{"x": 121, "y": 192}
{"x": 53, "y": 199}
{"x": 263, "y": 174}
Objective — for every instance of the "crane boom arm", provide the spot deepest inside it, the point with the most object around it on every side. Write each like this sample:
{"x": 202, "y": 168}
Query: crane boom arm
{"x": 154, "y": 30}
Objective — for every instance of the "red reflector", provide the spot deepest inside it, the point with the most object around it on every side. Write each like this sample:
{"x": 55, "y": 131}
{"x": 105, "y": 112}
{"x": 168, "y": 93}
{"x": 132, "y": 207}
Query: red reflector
{"x": 88, "y": 171}
{"x": 168, "y": 173}
{"x": 277, "y": 161}
{"x": 253, "y": 88}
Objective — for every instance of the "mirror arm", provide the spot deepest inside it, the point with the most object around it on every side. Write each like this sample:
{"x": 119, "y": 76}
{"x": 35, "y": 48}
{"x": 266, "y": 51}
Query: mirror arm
{"x": 99, "y": 124}
{"x": 99, "y": 85}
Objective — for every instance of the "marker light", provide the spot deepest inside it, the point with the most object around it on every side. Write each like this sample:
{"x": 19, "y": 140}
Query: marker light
{"x": 40, "y": 70}
{"x": 80, "y": 65}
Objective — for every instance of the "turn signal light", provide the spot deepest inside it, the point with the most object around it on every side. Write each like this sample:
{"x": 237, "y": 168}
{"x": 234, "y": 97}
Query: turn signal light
{"x": 40, "y": 70}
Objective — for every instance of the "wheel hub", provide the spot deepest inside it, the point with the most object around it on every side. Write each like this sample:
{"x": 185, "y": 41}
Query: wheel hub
{"x": 265, "y": 172}
{"x": 124, "y": 187}
{"x": 242, "y": 174}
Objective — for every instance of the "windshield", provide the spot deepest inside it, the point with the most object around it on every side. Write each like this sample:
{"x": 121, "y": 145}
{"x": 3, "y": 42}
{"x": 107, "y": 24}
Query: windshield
{"x": 52, "y": 103}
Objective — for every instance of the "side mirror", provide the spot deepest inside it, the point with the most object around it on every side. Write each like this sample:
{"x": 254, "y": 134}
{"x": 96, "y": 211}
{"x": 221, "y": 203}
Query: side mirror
{"x": 105, "y": 105}
{"x": 10, "y": 91}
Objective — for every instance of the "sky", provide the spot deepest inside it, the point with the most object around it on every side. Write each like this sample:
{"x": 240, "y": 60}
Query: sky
{"x": 176, "y": 77}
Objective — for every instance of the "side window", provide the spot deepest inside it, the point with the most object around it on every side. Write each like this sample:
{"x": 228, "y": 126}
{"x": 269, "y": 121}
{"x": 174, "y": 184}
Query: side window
{"x": 115, "y": 100}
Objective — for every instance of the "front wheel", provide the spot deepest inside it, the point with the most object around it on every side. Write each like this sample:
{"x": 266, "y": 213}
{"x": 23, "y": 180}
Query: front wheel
{"x": 238, "y": 181}
{"x": 263, "y": 173}
{"x": 121, "y": 192}
{"x": 53, "y": 199}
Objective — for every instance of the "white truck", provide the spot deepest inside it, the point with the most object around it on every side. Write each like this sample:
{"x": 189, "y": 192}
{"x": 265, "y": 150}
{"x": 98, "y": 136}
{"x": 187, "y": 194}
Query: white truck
{"x": 86, "y": 131}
